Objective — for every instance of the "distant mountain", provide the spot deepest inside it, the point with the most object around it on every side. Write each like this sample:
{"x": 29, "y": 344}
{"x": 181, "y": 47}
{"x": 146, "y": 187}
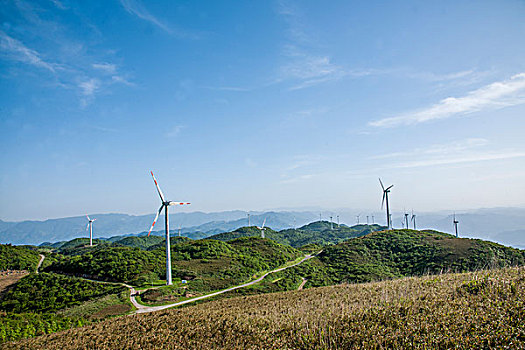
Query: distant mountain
{"x": 503, "y": 225}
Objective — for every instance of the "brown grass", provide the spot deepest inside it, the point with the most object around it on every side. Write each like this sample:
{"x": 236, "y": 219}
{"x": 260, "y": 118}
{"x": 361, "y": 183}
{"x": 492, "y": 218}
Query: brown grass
{"x": 8, "y": 279}
{"x": 479, "y": 310}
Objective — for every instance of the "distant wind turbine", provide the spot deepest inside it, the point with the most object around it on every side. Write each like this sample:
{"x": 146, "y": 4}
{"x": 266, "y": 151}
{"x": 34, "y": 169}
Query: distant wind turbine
{"x": 406, "y": 220}
{"x": 248, "y": 219}
{"x": 367, "y": 221}
{"x": 386, "y": 191}
{"x": 357, "y": 216}
{"x": 331, "y": 222}
{"x": 413, "y": 219}
{"x": 262, "y": 228}
{"x": 456, "y": 222}
{"x": 165, "y": 205}
{"x": 90, "y": 226}
{"x": 337, "y": 220}
{"x": 373, "y": 220}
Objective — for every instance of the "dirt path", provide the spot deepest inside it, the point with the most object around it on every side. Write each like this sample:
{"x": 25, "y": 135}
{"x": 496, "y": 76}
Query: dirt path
{"x": 302, "y": 283}
{"x": 42, "y": 257}
{"x": 144, "y": 309}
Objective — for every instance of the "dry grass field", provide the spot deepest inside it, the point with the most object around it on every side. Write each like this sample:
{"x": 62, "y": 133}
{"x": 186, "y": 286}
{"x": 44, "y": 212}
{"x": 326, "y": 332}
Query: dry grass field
{"x": 9, "y": 278}
{"x": 479, "y": 310}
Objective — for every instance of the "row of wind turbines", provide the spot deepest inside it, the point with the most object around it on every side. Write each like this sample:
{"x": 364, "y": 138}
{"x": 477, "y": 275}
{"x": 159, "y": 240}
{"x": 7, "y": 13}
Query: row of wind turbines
{"x": 386, "y": 191}
{"x": 165, "y": 204}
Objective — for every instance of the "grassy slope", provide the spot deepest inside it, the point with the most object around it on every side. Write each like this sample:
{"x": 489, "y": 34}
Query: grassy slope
{"x": 473, "y": 310}
{"x": 398, "y": 253}
{"x": 17, "y": 258}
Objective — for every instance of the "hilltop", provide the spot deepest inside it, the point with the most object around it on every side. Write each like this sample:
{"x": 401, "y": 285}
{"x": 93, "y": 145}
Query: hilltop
{"x": 406, "y": 313}
{"x": 318, "y": 233}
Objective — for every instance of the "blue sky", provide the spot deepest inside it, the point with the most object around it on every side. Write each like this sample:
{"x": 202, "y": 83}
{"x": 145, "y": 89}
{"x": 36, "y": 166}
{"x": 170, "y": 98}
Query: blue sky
{"x": 260, "y": 105}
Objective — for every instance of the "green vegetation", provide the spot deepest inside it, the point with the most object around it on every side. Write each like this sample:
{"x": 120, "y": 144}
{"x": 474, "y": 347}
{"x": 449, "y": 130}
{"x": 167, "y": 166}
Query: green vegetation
{"x": 119, "y": 264}
{"x": 431, "y": 312}
{"x": 17, "y": 258}
{"x": 319, "y": 233}
{"x": 18, "y": 326}
{"x": 47, "y": 292}
{"x": 45, "y": 303}
{"x": 100, "y": 308}
{"x": 398, "y": 253}
{"x": 143, "y": 242}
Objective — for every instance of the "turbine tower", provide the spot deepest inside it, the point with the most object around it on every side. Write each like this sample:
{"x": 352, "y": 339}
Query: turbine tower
{"x": 413, "y": 219}
{"x": 180, "y": 229}
{"x": 406, "y": 220}
{"x": 262, "y": 228}
{"x": 456, "y": 225}
{"x": 373, "y": 220}
{"x": 165, "y": 205}
{"x": 337, "y": 220}
{"x": 367, "y": 221}
{"x": 320, "y": 217}
{"x": 331, "y": 222}
{"x": 357, "y": 216}
{"x": 248, "y": 219}
{"x": 90, "y": 226}
{"x": 386, "y": 191}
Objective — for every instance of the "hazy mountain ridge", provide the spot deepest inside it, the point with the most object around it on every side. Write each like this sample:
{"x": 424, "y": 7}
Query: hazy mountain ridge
{"x": 503, "y": 225}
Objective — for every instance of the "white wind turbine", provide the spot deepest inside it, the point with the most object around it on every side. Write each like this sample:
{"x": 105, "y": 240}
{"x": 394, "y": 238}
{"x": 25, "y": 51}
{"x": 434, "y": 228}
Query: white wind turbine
{"x": 262, "y": 228}
{"x": 90, "y": 226}
{"x": 165, "y": 205}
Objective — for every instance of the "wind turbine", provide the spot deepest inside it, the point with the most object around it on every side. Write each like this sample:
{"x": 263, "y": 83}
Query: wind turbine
{"x": 456, "y": 225}
{"x": 331, "y": 223}
{"x": 248, "y": 219}
{"x": 90, "y": 226}
{"x": 165, "y": 205}
{"x": 413, "y": 219}
{"x": 373, "y": 220}
{"x": 294, "y": 222}
{"x": 386, "y": 191}
{"x": 367, "y": 222}
{"x": 357, "y": 216}
{"x": 180, "y": 229}
{"x": 320, "y": 217}
{"x": 406, "y": 220}
{"x": 262, "y": 228}
{"x": 337, "y": 220}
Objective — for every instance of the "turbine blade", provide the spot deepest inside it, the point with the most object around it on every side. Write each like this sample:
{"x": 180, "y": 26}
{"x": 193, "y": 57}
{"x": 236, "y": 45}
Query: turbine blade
{"x": 158, "y": 188}
{"x": 179, "y": 203}
{"x": 264, "y": 222}
{"x": 156, "y": 217}
{"x": 87, "y": 226}
{"x": 383, "y": 201}
{"x": 381, "y": 182}
{"x": 389, "y": 187}
{"x": 88, "y": 218}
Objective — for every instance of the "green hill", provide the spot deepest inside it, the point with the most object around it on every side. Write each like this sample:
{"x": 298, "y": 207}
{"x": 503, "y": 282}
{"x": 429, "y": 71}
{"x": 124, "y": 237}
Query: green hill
{"x": 143, "y": 242}
{"x": 121, "y": 264}
{"x": 479, "y": 310}
{"x": 319, "y": 233}
{"x": 17, "y": 258}
{"x": 398, "y": 253}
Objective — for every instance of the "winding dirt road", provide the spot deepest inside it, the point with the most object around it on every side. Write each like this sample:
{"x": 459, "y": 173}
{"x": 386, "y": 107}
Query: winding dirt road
{"x": 144, "y": 309}
{"x": 42, "y": 257}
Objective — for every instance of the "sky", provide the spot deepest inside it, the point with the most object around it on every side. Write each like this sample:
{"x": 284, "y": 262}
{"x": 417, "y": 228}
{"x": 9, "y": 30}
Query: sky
{"x": 259, "y": 105}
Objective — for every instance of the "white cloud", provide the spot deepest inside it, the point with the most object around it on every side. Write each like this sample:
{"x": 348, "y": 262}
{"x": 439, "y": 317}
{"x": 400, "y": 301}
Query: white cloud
{"x": 461, "y": 159}
{"x": 136, "y": 8}
{"x": 19, "y": 52}
{"x": 439, "y": 149}
{"x": 497, "y": 95}
{"x": 108, "y": 68}
{"x": 175, "y": 131}
{"x": 89, "y": 87}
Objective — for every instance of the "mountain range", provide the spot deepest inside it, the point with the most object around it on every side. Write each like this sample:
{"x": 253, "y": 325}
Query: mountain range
{"x": 503, "y": 225}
